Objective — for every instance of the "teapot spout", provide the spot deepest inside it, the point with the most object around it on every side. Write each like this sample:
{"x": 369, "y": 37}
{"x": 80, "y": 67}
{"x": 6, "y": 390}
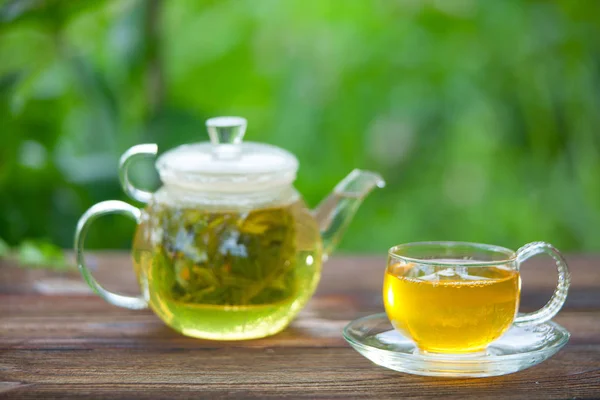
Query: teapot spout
{"x": 335, "y": 212}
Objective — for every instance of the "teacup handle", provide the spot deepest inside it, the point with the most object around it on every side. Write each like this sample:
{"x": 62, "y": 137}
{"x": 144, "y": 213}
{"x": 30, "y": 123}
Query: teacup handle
{"x": 560, "y": 293}
{"x": 98, "y": 210}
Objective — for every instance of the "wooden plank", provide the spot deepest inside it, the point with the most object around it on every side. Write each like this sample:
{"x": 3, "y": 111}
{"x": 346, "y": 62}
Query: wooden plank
{"x": 341, "y": 273}
{"x": 280, "y": 372}
{"x": 59, "y": 340}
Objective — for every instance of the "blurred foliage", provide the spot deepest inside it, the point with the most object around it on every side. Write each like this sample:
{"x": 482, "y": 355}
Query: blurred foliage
{"x": 3, "y": 248}
{"x": 41, "y": 254}
{"x": 481, "y": 115}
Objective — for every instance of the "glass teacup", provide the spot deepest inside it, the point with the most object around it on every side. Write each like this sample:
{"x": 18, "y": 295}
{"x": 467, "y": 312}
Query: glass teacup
{"x": 457, "y": 297}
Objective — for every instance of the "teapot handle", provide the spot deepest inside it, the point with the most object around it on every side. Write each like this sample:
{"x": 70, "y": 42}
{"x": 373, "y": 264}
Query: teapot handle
{"x": 98, "y": 210}
{"x": 140, "y": 150}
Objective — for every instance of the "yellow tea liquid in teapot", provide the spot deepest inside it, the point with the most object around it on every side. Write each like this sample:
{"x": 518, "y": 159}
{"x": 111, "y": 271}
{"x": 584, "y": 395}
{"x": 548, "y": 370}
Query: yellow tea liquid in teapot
{"x": 228, "y": 275}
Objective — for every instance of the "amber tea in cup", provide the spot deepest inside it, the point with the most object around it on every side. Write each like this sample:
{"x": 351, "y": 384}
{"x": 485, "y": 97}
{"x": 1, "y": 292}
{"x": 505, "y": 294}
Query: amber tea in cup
{"x": 453, "y": 297}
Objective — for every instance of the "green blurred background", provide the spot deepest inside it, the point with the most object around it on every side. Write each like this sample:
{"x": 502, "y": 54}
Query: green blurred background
{"x": 482, "y": 116}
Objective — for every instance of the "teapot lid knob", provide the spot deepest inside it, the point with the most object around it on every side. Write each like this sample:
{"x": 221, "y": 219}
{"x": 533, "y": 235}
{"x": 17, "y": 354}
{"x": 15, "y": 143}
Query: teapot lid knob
{"x": 226, "y": 130}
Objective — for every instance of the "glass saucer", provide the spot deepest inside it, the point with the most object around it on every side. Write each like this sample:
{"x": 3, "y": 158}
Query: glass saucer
{"x": 518, "y": 349}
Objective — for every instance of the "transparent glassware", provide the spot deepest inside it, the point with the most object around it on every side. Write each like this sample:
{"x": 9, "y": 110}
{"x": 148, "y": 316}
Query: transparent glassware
{"x": 454, "y": 307}
{"x": 226, "y": 249}
{"x": 453, "y": 297}
{"x": 519, "y": 348}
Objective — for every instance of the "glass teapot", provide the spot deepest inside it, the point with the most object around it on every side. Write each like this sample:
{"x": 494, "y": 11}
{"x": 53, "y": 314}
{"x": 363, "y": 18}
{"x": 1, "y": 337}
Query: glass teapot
{"x": 226, "y": 249}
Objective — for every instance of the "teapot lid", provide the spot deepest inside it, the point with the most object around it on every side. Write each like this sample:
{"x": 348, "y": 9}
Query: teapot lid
{"x": 225, "y": 163}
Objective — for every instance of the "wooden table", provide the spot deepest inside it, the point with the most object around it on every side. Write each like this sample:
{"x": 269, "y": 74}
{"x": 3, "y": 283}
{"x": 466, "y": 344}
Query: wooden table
{"x": 59, "y": 340}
